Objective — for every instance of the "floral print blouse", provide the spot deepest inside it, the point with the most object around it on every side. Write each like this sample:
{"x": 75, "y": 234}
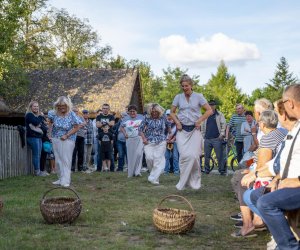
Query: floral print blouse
{"x": 63, "y": 124}
{"x": 155, "y": 130}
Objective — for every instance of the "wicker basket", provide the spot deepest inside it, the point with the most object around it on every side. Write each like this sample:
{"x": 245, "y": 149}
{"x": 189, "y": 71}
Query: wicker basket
{"x": 172, "y": 220}
{"x": 60, "y": 209}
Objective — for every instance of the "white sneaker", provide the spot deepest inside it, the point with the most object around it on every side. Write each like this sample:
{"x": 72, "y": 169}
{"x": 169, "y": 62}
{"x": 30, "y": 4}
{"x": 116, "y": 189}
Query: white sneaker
{"x": 44, "y": 173}
{"x": 144, "y": 170}
{"x": 154, "y": 182}
{"x": 41, "y": 173}
{"x": 56, "y": 182}
{"x": 65, "y": 185}
{"x": 271, "y": 245}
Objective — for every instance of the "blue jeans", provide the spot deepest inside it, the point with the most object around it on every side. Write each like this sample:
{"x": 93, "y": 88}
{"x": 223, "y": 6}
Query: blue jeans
{"x": 271, "y": 207}
{"x": 122, "y": 153}
{"x": 247, "y": 200}
{"x": 99, "y": 160}
{"x": 36, "y": 146}
{"x": 175, "y": 156}
{"x": 217, "y": 145}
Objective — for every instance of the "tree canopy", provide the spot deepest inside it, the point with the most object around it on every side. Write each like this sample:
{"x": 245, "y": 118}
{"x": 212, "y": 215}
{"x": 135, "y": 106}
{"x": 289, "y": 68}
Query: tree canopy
{"x": 281, "y": 79}
{"x": 37, "y": 37}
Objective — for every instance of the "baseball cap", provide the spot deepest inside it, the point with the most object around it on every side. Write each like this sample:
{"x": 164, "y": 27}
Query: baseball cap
{"x": 168, "y": 111}
{"x": 85, "y": 111}
{"x": 212, "y": 102}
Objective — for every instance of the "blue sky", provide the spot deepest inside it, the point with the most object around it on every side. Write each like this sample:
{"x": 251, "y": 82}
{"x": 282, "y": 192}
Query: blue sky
{"x": 250, "y": 36}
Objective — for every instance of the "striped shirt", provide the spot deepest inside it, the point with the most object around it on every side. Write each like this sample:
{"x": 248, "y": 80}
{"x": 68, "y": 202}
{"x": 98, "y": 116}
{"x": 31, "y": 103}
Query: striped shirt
{"x": 271, "y": 141}
{"x": 235, "y": 124}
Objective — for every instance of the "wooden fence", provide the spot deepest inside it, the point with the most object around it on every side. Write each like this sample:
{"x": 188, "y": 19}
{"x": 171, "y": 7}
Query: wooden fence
{"x": 15, "y": 160}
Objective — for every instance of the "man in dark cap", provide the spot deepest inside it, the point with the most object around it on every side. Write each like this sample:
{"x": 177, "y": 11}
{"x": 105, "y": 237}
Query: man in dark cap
{"x": 213, "y": 131}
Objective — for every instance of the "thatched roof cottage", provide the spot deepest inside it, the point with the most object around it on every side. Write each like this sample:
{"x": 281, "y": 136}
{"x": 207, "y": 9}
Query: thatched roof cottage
{"x": 87, "y": 88}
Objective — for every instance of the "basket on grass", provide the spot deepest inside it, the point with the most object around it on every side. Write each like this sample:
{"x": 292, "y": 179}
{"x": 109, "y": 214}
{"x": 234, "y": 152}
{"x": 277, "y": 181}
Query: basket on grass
{"x": 172, "y": 220}
{"x": 60, "y": 209}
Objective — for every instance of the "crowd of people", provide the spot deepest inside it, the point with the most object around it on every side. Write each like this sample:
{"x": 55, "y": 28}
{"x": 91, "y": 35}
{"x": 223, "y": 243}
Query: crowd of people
{"x": 266, "y": 140}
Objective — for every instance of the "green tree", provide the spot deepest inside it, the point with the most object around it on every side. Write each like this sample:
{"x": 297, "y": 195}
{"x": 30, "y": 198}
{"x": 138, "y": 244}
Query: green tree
{"x": 273, "y": 90}
{"x": 117, "y": 63}
{"x": 171, "y": 87}
{"x": 75, "y": 41}
{"x": 223, "y": 87}
{"x": 32, "y": 48}
{"x": 12, "y": 78}
{"x": 282, "y": 78}
{"x": 151, "y": 84}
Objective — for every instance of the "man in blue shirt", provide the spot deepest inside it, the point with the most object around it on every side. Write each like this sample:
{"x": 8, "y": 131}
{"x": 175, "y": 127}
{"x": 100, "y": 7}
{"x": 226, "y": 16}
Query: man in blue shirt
{"x": 213, "y": 131}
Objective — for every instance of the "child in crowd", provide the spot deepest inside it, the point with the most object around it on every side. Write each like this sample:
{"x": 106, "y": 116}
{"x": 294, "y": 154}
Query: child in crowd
{"x": 106, "y": 141}
{"x": 51, "y": 158}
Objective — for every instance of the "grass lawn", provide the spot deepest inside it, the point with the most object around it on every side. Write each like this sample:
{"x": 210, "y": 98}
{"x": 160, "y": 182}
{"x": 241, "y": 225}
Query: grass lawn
{"x": 117, "y": 214}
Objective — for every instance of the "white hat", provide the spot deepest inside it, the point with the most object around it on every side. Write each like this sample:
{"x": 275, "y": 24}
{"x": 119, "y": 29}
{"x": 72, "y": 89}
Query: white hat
{"x": 168, "y": 111}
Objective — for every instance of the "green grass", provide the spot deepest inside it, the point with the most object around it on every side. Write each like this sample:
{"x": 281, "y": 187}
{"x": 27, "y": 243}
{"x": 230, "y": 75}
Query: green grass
{"x": 117, "y": 214}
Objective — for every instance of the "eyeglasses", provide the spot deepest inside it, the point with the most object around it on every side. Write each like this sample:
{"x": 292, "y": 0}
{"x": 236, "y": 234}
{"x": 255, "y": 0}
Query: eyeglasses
{"x": 283, "y": 102}
{"x": 132, "y": 111}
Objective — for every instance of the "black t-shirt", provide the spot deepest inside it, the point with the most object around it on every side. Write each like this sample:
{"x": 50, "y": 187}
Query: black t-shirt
{"x": 104, "y": 118}
{"x": 105, "y": 139}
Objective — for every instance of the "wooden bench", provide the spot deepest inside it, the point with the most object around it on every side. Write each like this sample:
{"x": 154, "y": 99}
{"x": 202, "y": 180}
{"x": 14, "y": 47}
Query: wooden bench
{"x": 293, "y": 218}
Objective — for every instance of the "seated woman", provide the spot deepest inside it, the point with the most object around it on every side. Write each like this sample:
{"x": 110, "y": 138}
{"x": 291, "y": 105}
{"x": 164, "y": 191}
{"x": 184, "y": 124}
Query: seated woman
{"x": 267, "y": 148}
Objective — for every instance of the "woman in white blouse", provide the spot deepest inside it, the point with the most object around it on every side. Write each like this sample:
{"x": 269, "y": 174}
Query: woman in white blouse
{"x": 189, "y": 139}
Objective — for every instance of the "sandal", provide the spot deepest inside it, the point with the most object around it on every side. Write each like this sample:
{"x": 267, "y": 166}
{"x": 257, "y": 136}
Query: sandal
{"x": 260, "y": 228}
{"x": 238, "y": 234}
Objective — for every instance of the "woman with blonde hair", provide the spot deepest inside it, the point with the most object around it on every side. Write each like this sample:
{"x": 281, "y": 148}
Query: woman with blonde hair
{"x": 154, "y": 138}
{"x": 189, "y": 139}
{"x": 63, "y": 127}
{"x": 34, "y": 134}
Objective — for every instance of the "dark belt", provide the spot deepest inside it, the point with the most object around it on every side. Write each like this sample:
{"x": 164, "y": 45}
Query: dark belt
{"x": 188, "y": 128}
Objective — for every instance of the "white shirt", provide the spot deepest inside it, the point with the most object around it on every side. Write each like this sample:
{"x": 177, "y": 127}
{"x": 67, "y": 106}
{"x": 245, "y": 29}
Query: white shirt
{"x": 189, "y": 112}
{"x": 294, "y": 169}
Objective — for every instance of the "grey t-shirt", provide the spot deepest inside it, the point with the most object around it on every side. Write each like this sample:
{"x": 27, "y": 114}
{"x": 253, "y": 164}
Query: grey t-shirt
{"x": 189, "y": 112}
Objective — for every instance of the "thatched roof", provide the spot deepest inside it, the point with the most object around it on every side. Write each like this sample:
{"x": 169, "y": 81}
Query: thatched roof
{"x": 87, "y": 88}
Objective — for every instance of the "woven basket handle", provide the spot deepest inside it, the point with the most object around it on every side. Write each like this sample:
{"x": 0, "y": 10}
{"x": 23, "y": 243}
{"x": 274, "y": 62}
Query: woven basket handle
{"x": 50, "y": 190}
{"x": 176, "y": 196}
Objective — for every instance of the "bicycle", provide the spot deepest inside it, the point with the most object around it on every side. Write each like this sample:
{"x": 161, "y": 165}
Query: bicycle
{"x": 231, "y": 155}
{"x": 212, "y": 161}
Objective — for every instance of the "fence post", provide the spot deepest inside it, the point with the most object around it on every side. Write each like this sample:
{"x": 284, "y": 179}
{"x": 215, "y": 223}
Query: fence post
{"x": 14, "y": 160}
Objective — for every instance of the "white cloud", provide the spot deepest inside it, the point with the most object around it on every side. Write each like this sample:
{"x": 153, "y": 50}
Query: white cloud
{"x": 207, "y": 51}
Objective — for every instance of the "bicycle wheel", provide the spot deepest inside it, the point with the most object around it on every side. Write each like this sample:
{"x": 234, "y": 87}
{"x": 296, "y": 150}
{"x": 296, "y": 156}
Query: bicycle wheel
{"x": 234, "y": 163}
{"x": 212, "y": 163}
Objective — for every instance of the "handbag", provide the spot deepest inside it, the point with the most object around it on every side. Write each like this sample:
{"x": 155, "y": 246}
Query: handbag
{"x": 170, "y": 146}
{"x": 47, "y": 147}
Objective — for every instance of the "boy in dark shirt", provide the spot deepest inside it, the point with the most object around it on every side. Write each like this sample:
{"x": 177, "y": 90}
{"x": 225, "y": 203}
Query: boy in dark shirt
{"x": 106, "y": 142}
